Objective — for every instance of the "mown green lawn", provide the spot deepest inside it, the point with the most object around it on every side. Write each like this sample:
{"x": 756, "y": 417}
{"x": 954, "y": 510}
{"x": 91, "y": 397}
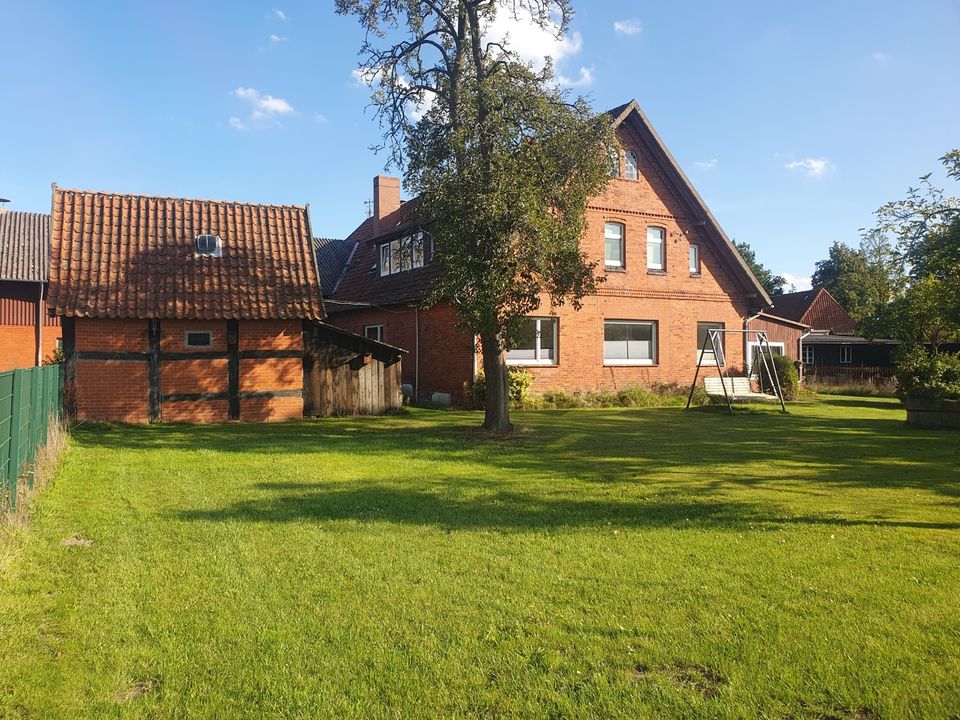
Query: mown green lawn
{"x": 648, "y": 563}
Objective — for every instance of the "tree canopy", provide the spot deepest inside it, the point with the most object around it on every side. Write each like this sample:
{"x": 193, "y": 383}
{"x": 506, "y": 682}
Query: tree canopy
{"x": 501, "y": 159}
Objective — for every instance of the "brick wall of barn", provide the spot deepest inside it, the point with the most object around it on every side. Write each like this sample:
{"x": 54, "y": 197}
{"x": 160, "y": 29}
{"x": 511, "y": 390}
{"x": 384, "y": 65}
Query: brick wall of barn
{"x": 18, "y": 326}
{"x": 112, "y": 378}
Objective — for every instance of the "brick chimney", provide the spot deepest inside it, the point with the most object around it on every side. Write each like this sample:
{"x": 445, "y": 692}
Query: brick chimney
{"x": 386, "y": 199}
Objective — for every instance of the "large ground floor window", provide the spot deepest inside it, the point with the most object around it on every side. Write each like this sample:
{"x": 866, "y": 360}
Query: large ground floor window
{"x": 537, "y": 343}
{"x": 629, "y": 342}
{"x": 703, "y": 341}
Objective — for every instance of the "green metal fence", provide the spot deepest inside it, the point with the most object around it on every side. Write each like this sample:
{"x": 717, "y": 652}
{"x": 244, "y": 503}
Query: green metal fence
{"x": 28, "y": 399}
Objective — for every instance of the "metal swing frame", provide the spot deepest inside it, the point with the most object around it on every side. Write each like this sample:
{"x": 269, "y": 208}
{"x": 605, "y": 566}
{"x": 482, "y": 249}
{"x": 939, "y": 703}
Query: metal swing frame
{"x": 766, "y": 354}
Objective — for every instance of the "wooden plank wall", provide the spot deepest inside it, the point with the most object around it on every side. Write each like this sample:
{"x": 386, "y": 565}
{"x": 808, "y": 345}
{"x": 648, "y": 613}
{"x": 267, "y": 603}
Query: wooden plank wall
{"x": 346, "y": 375}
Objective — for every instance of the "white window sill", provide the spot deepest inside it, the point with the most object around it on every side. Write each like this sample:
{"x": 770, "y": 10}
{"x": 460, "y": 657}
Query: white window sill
{"x": 621, "y": 363}
{"x": 532, "y": 363}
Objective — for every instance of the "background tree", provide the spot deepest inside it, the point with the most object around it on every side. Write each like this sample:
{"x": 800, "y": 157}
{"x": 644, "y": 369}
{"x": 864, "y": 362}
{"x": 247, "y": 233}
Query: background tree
{"x": 773, "y": 284}
{"x": 502, "y": 161}
{"x": 861, "y": 281}
{"x": 925, "y": 228}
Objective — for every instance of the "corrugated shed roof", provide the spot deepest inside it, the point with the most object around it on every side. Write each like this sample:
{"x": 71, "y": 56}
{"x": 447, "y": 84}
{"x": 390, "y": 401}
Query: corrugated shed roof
{"x": 24, "y": 246}
{"x": 133, "y": 256}
{"x": 332, "y": 258}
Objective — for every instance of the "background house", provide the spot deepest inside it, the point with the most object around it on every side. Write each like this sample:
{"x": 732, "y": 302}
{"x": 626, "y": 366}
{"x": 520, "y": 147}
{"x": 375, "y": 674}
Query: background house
{"x": 27, "y": 333}
{"x": 671, "y": 275}
{"x": 197, "y": 310}
{"x": 832, "y": 341}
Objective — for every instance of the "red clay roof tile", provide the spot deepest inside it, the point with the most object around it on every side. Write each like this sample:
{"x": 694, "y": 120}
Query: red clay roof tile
{"x": 121, "y": 256}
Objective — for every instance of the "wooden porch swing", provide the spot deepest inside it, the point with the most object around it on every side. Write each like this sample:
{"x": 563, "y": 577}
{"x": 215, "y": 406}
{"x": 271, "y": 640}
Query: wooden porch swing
{"x": 737, "y": 388}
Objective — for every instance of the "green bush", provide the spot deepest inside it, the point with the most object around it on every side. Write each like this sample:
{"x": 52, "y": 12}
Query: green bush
{"x": 922, "y": 375}
{"x": 656, "y": 395}
{"x": 786, "y": 373}
{"x": 520, "y": 382}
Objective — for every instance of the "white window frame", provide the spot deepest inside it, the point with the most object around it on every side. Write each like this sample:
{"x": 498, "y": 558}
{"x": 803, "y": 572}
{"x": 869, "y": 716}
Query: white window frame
{"x": 206, "y": 251}
{"x": 754, "y": 344}
{"x": 409, "y": 251}
{"x": 635, "y": 165}
{"x": 848, "y": 351}
{"x": 188, "y": 333}
{"x": 709, "y": 360}
{"x": 809, "y": 354}
{"x": 538, "y": 358}
{"x": 378, "y": 328}
{"x": 654, "y": 344}
{"x": 694, "y": 259}
{"x": 662, "y": 241}
{"x": 613, "y": 159}
{"x": 623, "y": 245}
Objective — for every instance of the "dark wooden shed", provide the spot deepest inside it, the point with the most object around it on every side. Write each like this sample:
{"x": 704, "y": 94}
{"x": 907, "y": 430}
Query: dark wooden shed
{"x": 347, "y": 374}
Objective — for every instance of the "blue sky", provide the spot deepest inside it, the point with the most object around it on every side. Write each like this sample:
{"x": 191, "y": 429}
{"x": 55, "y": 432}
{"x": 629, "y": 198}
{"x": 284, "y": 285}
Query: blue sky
{"x": 794, "y": 121}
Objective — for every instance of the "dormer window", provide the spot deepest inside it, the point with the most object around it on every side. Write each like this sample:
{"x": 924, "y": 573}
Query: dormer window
{"x": 406, "y": 253}
{"x": 208, "y": 245}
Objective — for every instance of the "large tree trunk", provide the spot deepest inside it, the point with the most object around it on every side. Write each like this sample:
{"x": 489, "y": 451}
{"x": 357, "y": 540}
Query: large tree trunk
{"x": 496, "y": 416}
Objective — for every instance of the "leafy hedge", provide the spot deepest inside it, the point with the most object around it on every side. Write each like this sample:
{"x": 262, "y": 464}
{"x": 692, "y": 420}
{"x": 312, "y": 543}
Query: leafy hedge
{"x": 520, "y": 382}
{"x": 922, "y": 375}
{"x": 786, "y": 373}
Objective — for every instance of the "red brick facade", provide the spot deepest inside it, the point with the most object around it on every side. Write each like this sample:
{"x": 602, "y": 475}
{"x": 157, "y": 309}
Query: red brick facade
{"x": 112, "y": 371}
{"x": 675, "y": 298}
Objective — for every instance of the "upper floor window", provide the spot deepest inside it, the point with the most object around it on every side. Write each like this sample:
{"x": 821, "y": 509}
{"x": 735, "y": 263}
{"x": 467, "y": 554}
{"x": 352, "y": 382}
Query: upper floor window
{"x": 633, "y": 168}
{"x": 613, "y": 234}
{"x": 536, "y": 344}
{"x": 694, "y": 259}
{"x": 373, "y": 332}
{"x": 208, "y": 245}
{"x": 656, "y": 251}
{"x": 613, "y": 157}
{"x": 404, "y": 253}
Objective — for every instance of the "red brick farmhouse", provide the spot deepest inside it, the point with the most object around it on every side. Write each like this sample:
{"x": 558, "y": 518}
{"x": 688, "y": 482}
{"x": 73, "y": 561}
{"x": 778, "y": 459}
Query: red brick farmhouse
{"x": 201, "y": 311}
{"x": 671, "y": 274}
{"x": 27, "y": 333}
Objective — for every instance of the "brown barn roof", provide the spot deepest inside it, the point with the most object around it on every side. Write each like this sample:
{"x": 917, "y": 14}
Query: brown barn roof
{"x": 815, "y": 307}
{"x": 126, "y": 256}
{"x": 24, "y": 246}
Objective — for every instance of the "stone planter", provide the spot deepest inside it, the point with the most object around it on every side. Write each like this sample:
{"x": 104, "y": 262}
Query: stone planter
{"x": 933, "y": 413}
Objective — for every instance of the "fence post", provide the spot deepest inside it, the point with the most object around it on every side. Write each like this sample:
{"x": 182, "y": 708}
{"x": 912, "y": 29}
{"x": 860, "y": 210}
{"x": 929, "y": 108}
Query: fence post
{"x": 13, "y": 468}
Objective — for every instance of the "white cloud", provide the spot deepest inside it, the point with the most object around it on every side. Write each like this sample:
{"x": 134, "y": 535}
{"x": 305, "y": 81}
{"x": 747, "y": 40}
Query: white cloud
{"x": 812, "y": 167}
{"x": 630, "y": 26}
{"x": 277, "y": 14}
{"x": 794, "y": 282}
{"x": 320, "y": 118}
{"x": 363, "y": 77}
{"x": 265, "y": 110}
{"x": 585, "y": 78}
{"x": 707, "y": 164}
{"x": 880, "y": 57}
{"x": 530, "y": 41}
{"x": 274, "y": 39}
